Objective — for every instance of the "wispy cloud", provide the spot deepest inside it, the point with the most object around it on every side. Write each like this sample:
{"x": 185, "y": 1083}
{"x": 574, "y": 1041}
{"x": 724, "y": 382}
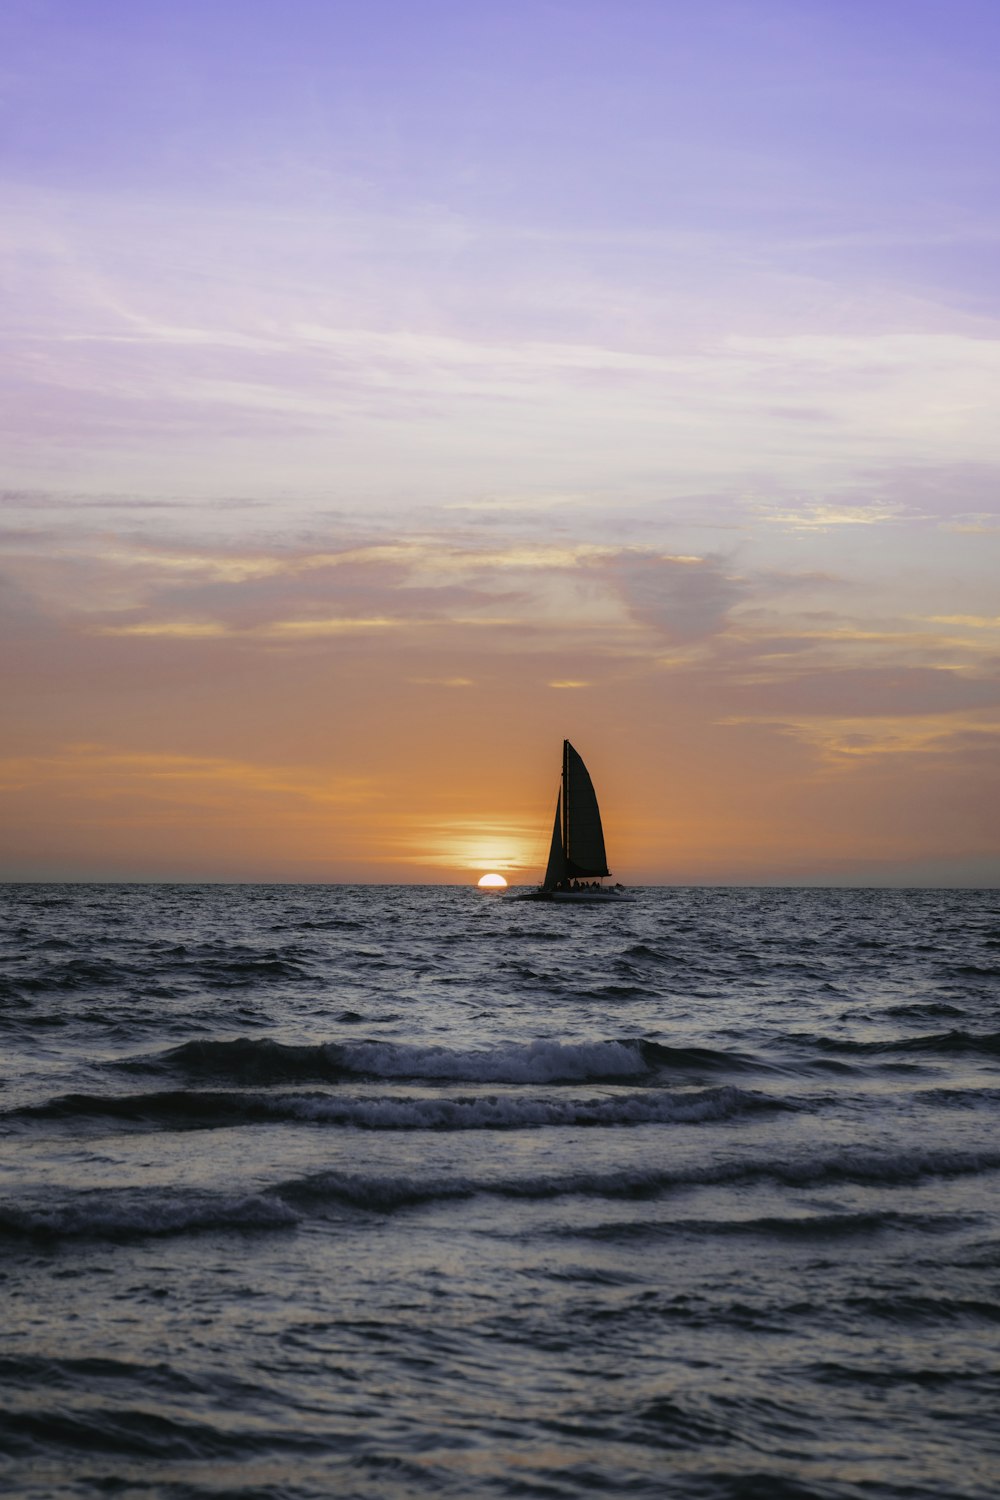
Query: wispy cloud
{"x": 108, "y": 774}
{"x": 843, "y": 742}
{"x": 299, "y": 376}
{"x": 822, "y": 516}
{"x": 975, "y": 622}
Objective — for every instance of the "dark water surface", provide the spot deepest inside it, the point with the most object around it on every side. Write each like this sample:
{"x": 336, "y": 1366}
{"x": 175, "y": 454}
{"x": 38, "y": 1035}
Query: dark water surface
{"x": 362, "y": 1191}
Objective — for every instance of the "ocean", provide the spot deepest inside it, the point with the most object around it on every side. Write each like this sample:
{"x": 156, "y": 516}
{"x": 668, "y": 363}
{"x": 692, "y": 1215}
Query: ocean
{"x": 312, "y": 1191}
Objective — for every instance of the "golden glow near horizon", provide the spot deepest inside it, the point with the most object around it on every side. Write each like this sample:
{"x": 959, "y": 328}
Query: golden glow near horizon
{"x": 348, "y": 712}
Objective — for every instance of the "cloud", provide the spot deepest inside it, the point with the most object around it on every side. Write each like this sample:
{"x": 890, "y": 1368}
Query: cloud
{"x": 68, "y": 500}
{"x": 846, "y": 741}
{"x": 231, "y": 352}
{"x": 504, "y": 593}
{"x": 823, "y": 515}
{"x": 684, "y": 599}
{"x": 975, "y": 622}
{"x": 956, "y": 495}
{"x": 111, "y": 774}
{"x": 849, "y": 692}
{"x": 276, "y": 630}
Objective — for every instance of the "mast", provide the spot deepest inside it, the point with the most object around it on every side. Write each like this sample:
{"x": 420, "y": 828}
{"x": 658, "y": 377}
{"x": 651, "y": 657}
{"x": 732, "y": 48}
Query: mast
{"x": 565, "y": 799}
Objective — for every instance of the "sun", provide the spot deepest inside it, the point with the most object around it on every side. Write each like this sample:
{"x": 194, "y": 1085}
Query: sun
{"x": 492, "y": 883}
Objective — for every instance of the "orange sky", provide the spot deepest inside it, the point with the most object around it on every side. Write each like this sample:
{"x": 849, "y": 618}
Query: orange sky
{"x": 803, "y": 703}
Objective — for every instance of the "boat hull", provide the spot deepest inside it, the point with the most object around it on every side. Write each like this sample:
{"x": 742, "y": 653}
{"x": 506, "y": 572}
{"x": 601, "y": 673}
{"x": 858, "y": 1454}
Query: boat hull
{"x": 574, "y": 898}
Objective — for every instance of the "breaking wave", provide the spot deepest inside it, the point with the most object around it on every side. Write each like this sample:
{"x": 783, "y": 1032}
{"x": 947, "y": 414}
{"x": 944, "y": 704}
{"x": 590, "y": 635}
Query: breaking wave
{"x": 182, "y": 1109}
{"x": 250, "y": 1060}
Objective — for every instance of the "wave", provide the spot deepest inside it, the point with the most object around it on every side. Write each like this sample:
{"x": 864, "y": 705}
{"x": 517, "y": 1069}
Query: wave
{"x": 119, "y": 1214}
{"x": 642, "y": 956}
{"x": 805, "y": 1226}
{"x": 187, "y": 1110}
{"x": 385, "y": 1193}
{"x": 948, "y": 1043}
{"x": 915, "y": 1309}
{"x": 127, "y": 1214}
{"x": 233, "y": 973}
{"x": 951, "y": 1043}
{"x": 960, "y": 1096}
{"x": 10, "y": 994}
{"x": 81, "y": 974}
{"x": 783, "y": 1313}
{"x": 245, "y": 1060}
{"x": 67, "y": 1371}
{"x": 176, "y": 964}
{"x": 857, "y": 1377}
{"x": 249, "y": 1060}
{"x": 327, "y": 924}
{"x": 27, "y": 1021}
{"x": 120, "y": 1431}
{"x": 926, "y": 1009}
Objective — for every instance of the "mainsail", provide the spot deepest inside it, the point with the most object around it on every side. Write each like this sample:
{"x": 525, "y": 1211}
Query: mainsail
{"x": 577, "y": 848}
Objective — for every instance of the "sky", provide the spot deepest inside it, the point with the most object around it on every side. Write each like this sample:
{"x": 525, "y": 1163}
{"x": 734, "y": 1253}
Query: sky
{"x": 389, "y": 390}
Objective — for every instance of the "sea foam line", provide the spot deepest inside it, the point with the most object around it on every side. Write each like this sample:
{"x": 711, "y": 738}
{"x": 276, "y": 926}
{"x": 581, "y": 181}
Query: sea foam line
{"x": 194, "y": 1109}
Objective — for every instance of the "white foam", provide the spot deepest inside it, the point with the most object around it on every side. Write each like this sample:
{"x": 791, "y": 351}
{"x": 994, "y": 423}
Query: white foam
{"x": 529, "y": 1062}
{"x": 511, "y": 1112}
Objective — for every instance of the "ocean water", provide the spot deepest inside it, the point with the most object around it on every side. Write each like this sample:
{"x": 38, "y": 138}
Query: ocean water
{"x": 368, "y": 1191}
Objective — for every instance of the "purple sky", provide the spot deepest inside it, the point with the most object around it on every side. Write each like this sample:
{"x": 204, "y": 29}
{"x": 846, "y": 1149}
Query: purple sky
{"x": 702, "y": 246}
{"x": 496, "y": 286}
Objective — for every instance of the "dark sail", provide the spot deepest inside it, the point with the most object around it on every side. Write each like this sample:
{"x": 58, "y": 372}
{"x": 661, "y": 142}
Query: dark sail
{"x": 577, "y": 859}
{"x": 556, "y": 868}
{"x": 583, "y": 836}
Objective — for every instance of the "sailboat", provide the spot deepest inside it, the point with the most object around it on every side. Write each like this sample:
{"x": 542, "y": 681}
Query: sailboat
{"x": 577, "y": 860}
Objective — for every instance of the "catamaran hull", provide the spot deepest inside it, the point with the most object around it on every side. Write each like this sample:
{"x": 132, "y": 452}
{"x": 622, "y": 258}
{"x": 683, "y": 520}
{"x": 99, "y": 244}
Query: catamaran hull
{"x": 573, "y": 898}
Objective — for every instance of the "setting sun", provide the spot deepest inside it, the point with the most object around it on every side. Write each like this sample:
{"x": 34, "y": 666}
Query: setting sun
{"x": 492, "y": 883}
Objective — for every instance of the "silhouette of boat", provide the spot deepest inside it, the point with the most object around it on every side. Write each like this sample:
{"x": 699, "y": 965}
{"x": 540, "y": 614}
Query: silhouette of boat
{"x": 577, "y": 860}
